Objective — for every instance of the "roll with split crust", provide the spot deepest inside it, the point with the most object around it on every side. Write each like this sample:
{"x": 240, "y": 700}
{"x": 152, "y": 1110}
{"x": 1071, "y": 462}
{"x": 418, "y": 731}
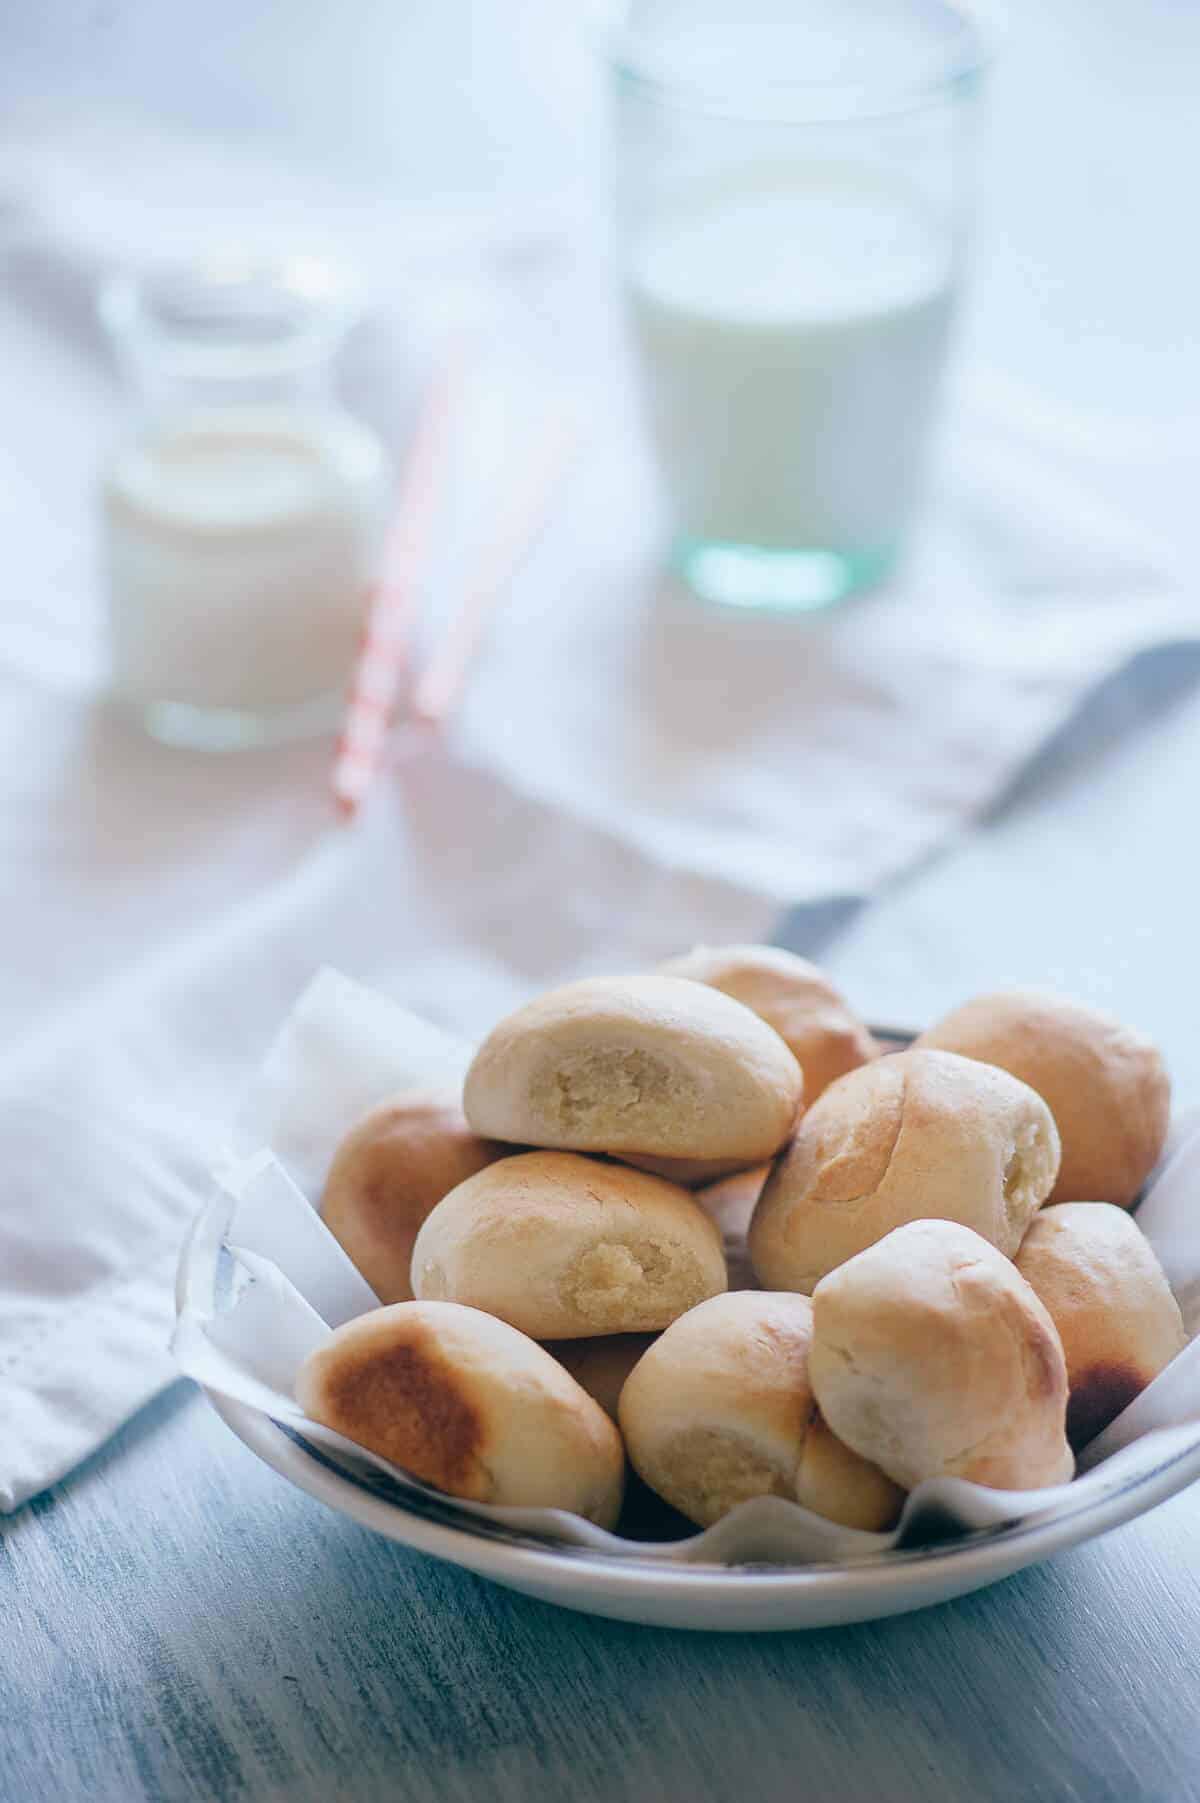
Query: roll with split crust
{"x": 933, "y": 1357}
{"x": 1105, "y": 1083}
{"x": 913, "y": 1136}
{"x": 1108, "y": 1296}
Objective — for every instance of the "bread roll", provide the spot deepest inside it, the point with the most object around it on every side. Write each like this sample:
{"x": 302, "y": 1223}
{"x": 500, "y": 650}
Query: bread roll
{"x": 650, "y": 1066}
{"x": 834, "y": 1482}
{"x": 601, "y": 1365}
{"x": 720, "y": 1409}
{"x": 730, "y": 1206}
{"x": 811, "y": 1017}
{"x": 690, "y": 1173}
{"x": 388, "y": 1173}
{"x": 563, "y": 1247}
{"x": 469, "y": 1405}
{"x": 932, "y": 1357}
{"x": 1105, "y": 1084}
{"x": 1109, "y": 1298}
{"x": 913, "y": 1136}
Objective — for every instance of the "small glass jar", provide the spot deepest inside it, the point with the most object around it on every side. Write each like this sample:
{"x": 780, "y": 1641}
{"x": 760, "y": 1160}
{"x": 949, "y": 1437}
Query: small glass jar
{"x": 793, "y": 185}
{"x": 242, "y": 512}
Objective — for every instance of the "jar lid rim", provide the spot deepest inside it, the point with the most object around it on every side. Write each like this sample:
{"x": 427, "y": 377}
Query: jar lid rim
{"x": 230, "y": 310}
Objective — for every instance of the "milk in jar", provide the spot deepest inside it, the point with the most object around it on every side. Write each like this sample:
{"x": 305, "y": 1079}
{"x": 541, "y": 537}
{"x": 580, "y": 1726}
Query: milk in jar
{"x": 240, "y": 514}
{"x": 238, "y": 551}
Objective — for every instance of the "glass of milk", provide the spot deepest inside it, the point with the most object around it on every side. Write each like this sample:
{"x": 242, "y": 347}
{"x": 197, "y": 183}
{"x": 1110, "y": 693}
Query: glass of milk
{"x": 793, "y": 180}
{"x": 240, "y": 514}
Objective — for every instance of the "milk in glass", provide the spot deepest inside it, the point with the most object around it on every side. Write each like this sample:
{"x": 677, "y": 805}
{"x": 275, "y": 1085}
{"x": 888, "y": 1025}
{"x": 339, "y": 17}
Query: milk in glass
{"x": 792, "y": 180}
{"x": 791, "y": 325}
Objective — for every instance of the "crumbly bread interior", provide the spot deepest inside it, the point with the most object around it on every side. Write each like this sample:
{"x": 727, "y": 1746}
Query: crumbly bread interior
{"x": 1028, "y": 1173}
{"x": 651, "y": 1066}
{"x": 563, "y": 1246}
{"x": 622, "y": 1286}
{"x": 578, "y": 1088}
{"x": 705, "y": 1471}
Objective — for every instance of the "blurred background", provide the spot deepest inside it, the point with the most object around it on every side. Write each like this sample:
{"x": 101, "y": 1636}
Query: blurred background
{"x": 461, "y": 155}
{"x": 493, "y": 111}
{"x": 443, "y": 116}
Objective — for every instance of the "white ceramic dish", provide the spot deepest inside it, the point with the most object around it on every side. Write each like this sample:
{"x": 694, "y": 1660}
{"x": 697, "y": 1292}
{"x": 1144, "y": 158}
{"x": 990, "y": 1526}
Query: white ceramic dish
{"x": 953, "y": 1538}
{"x": 730, "y": 1598}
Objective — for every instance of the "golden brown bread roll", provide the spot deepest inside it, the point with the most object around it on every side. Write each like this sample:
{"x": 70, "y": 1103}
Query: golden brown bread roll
{"x": 720, "y": 1409}
{"x": 564, "y": 1246}
{"x": 932, "y": 1357}
{"x": 690, "y": 1173}
{"x": 601, "y": 1365}
{"x": 1105, "y": 1084}
{"x": 469, "y": 1405}
{"x": 809, "y": 1014}
{"x": 913, "y": 1136}
{"x": 1108, "y": 1296}
{"x": 388, "y": 1173}
{"x": 834, "y": 1482}
{"x": 730, "y": 1206}
{"x": 645, "y": 1066}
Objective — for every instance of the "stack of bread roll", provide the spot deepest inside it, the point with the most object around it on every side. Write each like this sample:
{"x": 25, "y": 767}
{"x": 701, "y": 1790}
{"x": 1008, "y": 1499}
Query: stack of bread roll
{"x": 701, "y": 1221}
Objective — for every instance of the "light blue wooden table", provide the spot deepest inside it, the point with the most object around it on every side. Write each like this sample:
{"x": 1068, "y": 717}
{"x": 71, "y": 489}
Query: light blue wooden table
{"x": 180, "y": 1624}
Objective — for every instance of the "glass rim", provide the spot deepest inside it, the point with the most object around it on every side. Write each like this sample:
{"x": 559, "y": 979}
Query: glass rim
{"x": 789, "y": 100}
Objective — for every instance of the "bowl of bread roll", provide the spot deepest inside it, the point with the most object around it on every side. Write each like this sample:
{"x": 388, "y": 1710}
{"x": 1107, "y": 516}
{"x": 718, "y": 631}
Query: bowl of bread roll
{"x": 699, "y": 1302}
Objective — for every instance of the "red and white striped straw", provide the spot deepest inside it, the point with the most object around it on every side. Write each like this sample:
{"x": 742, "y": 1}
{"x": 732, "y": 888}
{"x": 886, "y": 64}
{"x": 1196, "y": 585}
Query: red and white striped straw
{"x": 521, "y": 515}
{"x": 387, "y": 632}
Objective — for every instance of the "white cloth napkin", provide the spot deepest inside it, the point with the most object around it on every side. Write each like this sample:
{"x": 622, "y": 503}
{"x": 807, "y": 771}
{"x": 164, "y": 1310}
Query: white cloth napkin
{"x": 629, "y": 773}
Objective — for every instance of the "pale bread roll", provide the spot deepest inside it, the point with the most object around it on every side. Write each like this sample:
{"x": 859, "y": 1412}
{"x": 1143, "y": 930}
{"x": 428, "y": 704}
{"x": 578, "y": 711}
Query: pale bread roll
{"x": 1108, "y": 1296}
{"x": 691, "y": 1173}
{"x": 388, "y": 1173}
{"x": 730, "y": 1205}
{"x": 1105, "y": 1084}
{"x": 932, "y": 1357}
{"x": 913, "y": 1136}
{"x": 564, "y": 1246}
{"x": 650, "y": 1066}
{"x": 809, "y": 1014}
{"x": 834, "y": 1482}
{"x": 601, "y": 1365}
{"x": 720, "y": 1409}
{"x": 469, "y": 1405}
